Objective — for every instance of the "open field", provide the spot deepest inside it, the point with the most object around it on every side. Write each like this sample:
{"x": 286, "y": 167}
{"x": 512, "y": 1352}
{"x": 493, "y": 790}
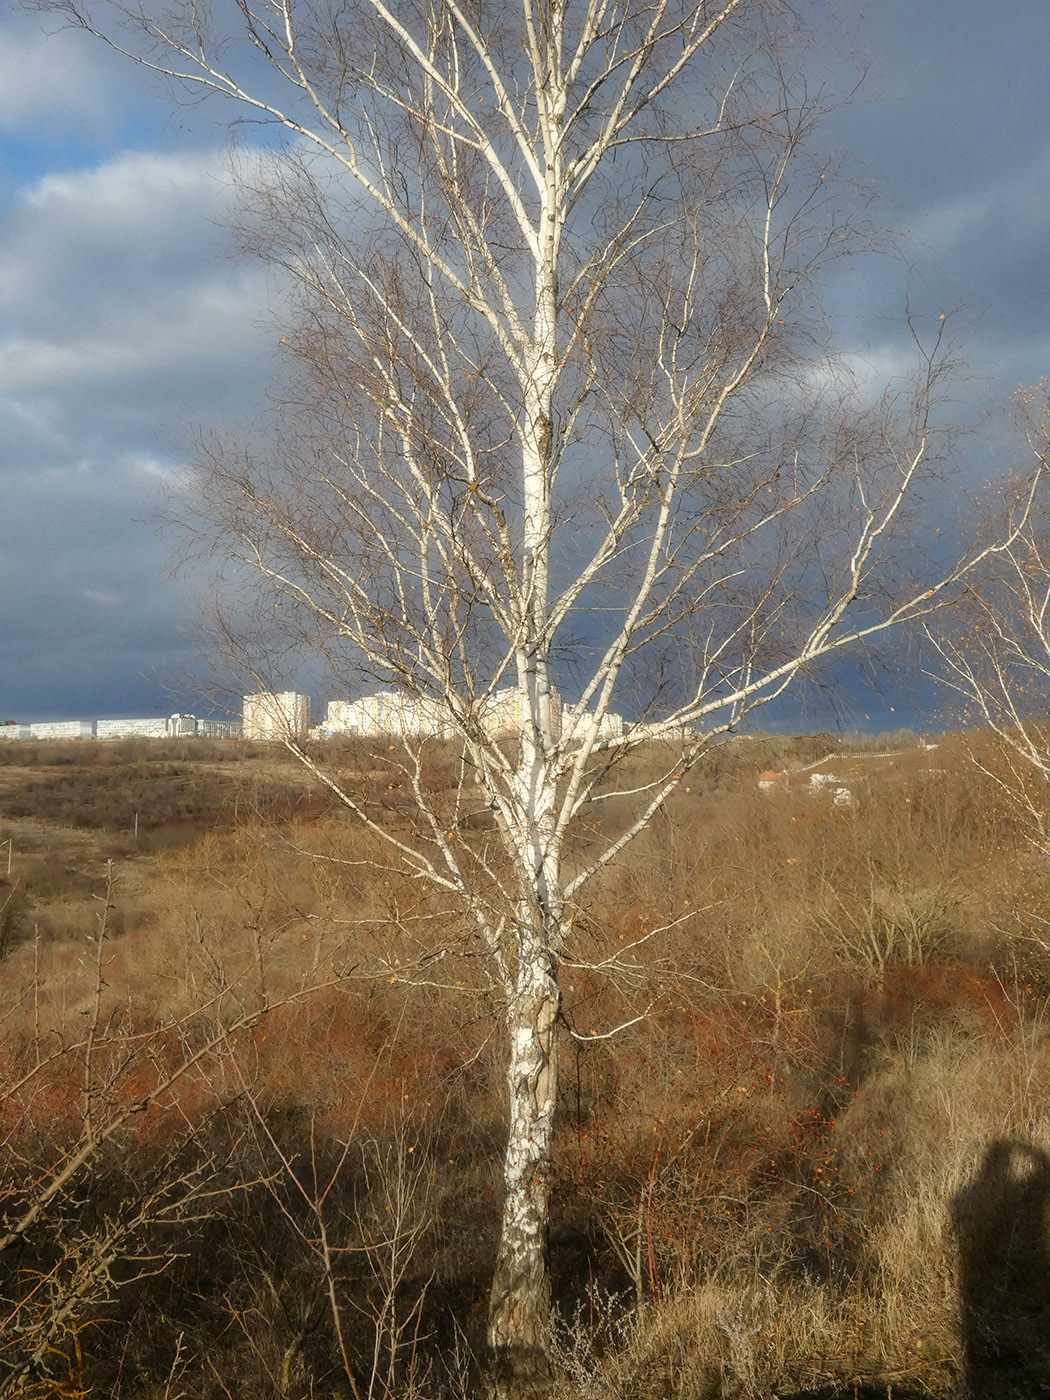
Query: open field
{"x": 251, "y": 1138}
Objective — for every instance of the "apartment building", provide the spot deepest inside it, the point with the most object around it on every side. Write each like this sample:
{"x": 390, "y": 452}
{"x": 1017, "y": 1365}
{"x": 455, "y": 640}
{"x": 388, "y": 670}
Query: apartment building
{"x": 131, "y": 729}
{"x": 392, "y": 712}
{"x": 63, "y": 729}
{"x": 387, "y": 712}
{"x": 219, "y": 729}
{"x": 507, "y": 711}
{"x": 611, "y": 726}
{"x": 281, "y": 715}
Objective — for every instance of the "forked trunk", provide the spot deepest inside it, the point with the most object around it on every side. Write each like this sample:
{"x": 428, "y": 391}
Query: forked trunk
{"x": 519, "y": 1314}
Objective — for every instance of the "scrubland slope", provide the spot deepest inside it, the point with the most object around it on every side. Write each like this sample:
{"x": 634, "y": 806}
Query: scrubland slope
{"x": 250, "y": 1138}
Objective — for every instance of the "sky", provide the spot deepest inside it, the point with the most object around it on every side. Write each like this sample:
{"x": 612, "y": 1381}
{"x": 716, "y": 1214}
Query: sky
{"x": 127, "y": 325}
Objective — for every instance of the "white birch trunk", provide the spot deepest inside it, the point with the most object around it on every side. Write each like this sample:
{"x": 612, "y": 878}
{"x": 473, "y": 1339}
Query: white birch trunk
{"x": 519, "y": 1315}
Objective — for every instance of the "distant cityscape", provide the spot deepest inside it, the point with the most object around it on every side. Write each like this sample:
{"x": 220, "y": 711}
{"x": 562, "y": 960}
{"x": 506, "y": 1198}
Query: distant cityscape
{"x": 280, "y": 715}
{"x": 171, "y": 727}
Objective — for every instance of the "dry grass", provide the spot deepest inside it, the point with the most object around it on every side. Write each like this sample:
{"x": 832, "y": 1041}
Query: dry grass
{"x": 781, "y": 1179}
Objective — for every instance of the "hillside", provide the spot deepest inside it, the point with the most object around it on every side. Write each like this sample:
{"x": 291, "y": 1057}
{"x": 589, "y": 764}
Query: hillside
{"x": 251, "y": 1125}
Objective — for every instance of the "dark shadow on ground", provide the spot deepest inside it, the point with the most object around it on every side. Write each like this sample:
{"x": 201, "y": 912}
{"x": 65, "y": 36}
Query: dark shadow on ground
{"x": 1000, "y": 1221}
{"x": 861, "y": 1391}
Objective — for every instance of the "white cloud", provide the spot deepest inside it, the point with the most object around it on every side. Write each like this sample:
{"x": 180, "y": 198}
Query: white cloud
{"x": 59, "y": 79}
{"x": 121, "y": 311}
{"x": 130, "y": 184}
{"x": 89, "y": 235}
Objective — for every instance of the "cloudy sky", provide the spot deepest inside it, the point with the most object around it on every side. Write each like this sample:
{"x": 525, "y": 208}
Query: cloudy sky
{"x": 125, "y": 322}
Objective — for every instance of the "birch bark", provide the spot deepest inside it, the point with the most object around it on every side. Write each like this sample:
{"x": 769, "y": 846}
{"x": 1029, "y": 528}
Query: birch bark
{"x": 519, "y": 1314}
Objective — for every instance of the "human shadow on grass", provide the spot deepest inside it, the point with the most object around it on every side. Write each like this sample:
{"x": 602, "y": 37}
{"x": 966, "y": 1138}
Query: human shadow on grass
{"x": 1000, "y": 1220}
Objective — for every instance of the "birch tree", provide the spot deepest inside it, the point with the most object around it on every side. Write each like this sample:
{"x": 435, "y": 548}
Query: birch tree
{"x": 993, "y": 650}
{"x": 551, "y": 412}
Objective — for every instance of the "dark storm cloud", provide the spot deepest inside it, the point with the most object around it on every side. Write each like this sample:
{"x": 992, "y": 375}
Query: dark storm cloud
{"x": 90, "y": 616}
{"x": 956, "y": 93}
{"x": 124, "y": 325}
{"x": 124, "y": 322}
{"x": 951, "y": 129}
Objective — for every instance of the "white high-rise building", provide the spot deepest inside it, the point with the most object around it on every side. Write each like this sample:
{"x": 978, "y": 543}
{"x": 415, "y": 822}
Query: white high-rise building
{"x": 281, "y": 715}
{"x": 611, "y": 726}
{"x": 392, "y": 712}
{"x": 506, "y": 712}
{"x": 387, "y": 712}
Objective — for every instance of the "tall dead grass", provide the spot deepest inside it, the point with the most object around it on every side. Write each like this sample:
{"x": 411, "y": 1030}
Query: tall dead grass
{"x": 786, "y": 1175}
